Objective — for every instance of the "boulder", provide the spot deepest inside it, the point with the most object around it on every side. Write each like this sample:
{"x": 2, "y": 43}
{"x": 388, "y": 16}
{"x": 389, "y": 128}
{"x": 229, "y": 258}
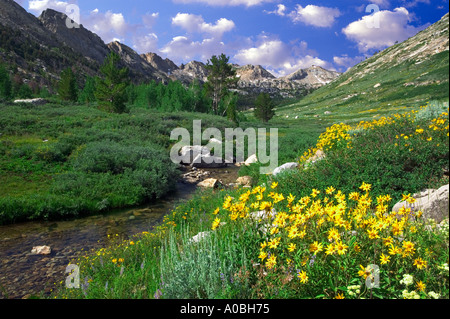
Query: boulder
{"x": 209, "y": 183}
{"x": 38, "y": 101}
{"x": 251, "y": 160}
{"x": 244, "y": 181}
{"x": 189, "y": 153}
{"x": 41, "y": 250}
{"x": 283, "y": 167}
{"x": 434, "y": 204}
{"x": 208, "y": 161}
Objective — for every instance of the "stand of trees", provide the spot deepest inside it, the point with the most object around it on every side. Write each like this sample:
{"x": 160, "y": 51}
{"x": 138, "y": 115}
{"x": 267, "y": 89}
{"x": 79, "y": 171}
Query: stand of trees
{"x": 113, "y": 92}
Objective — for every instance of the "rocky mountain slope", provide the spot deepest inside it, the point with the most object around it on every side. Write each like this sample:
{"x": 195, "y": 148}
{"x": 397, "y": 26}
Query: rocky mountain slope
{"x": 42, "y": 47}
{"x": 79, "y": 39}
{"x": 138, "y": 66}
{"x": 255, "y": 79}
{"x": 408, "y": 74}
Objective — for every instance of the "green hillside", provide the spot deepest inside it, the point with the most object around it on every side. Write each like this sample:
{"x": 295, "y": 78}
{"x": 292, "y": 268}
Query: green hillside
{"x": 406, "y": 75}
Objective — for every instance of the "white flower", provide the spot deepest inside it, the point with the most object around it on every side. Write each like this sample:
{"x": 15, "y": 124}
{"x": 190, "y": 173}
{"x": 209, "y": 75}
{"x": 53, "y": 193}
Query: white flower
{"x": 410, "y": 295}
{"x": 434, "y": 295}
{"x": 407, "y": 280}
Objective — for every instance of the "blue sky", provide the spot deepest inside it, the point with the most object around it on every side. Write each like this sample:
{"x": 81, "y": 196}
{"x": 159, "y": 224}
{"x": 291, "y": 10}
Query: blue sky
{"x": 281, "y": 35}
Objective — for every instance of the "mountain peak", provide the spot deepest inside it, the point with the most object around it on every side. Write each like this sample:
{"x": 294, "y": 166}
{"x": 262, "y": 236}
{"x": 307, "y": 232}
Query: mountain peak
{"x": 166, "y": 65}
{"x": 251, "y": 72}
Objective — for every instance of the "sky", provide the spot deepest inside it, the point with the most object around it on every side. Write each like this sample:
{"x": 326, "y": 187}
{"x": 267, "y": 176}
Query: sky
{"x": 280, "y": 35}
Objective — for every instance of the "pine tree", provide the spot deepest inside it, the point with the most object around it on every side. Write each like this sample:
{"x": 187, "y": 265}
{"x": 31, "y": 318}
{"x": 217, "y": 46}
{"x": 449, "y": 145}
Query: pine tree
{"x": 5, "y": 84}
{"x": 264, "y": 107}
{"x": 87, "y": 95}
{"x": 111, "y": 89}
{"x": 221, "y": 78}
{"x": 67, "y": 86}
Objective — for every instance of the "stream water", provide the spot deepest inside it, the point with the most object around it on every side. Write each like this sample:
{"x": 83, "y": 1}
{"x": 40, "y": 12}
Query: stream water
{"x": 23, "y": 274}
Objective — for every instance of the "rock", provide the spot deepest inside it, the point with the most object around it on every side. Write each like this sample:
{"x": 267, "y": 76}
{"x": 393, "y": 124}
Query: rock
{"x": 283, "y": 167}
{"x": 244, "y": 181}
{"x": 208, "y": 161}
{"x": 377, "y": 85}
{"x": 327, "y": 113}
{"x": 433, "y": 203}
{"x": 189, "y": 153}
{"x": 41, "y": 250}
{"x": 209, "y": 183}
{"x": 251, "y": 160}
{"x": 38, "y": 101}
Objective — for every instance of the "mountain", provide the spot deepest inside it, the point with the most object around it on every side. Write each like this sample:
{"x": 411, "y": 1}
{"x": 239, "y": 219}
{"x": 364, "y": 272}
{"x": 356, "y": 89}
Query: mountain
{"x": 38, "y": 49}
{"x": 80, "y": 39}
{"x": 167, "y": 66}
{"x": 192, "y": 71}
{"x": 314, "y": 76}
{"x": 33, "y": 51}
{"x": 138, "y": 66}
{"x": 255, "y": 79}
{"x": 408, "y": 74}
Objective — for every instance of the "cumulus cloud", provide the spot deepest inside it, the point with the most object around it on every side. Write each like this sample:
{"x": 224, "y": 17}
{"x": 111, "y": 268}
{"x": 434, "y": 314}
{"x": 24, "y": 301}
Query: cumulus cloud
{"x": 37, "y": 6}
{"x": 280, "y": 11}
{"x": 315, "y": 15}
{"x": 184, "y": 49}
{"x": 278, "y": 57}
{"x": 381, "y": 29}
{"x": 145, "y": 44}
{"x": 247, "y": 3}
{"x": 108, "y": 25}
{"x": 195, "y": 24}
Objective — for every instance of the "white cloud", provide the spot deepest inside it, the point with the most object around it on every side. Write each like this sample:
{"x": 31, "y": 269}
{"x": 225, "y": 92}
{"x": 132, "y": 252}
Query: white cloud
{"x": 315, "y": 15}
{"x": 393, "y": 26}
{"x": 195, "y": 24}
{"x": 184, "y": 49}
{"x": 280, "y": 11}
{"x": 278, "y": 57}
{"x": 146, "y": 44}
{"x": 37, "y": 6}
{"x": 247, "y": 3}
{"x": 109, "y": 26}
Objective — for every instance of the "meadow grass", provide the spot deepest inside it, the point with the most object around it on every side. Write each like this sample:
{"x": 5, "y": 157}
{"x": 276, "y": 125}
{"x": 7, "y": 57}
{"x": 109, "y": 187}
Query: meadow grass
{"x": 63, "y": 160}
{"x": 327, "y": 231}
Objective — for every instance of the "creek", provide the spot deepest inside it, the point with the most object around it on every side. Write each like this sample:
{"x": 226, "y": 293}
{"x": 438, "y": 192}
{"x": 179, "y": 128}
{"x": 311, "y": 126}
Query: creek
{"x": 24, "y": 275}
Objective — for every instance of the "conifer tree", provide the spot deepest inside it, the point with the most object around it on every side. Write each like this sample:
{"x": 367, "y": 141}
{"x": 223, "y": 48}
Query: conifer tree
{"x": 67, "y": 86}
{"x": 264, "y": 107}
{"x": 5, "y": 84}
{"x": 221, "y": 78}
{"x": 111, "y": 89}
